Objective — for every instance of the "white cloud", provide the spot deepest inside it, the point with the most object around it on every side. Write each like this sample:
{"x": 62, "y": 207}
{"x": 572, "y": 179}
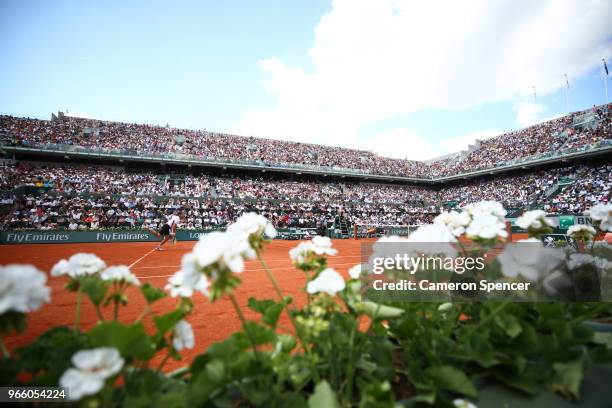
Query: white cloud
{"x": 459, "y": 143}
{"x": 401, "y": 144}
{"x": 530, "y": 113}
{"x": 405, "y": 144}
{"x": 78, "y": 114}
{"x": 527, "y": 113}
{"x": 377, "y": 59}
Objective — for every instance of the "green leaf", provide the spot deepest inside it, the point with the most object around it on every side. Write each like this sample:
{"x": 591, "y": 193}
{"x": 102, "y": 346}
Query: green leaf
{"x": 130, "y": 340}
{"x": 95, "y": 288}
{"x": 379, "y": 311}
{"x": 48, "y": 356}
{"x": 286, "y": 342}
{"x": 528, "y": 342}
{"x": 526, "y": 382}
{"x": 260, "y": 334}
{"x": 11, "y": 320}
{"x": 215, "y": 370}
{"x": 479, "y": 347}
{"x": 167, "y": 321}
{"x": 567, "y": 378}
{"x": 377, "y": 395}
{"x": 260, "y": 306}
{"x": 151, "y": 293}
{"x": 509, "y": 324}
{"x": 269, "y": 309}
{"x": 323, "y": 397}
{"x": 603, "y": 338}
{"x": 452, "y": 379}
{"x": 9, "y": 369}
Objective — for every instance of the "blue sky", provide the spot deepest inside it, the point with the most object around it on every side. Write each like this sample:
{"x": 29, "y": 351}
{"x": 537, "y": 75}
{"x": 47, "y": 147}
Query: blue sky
{"x": 353, "y": 73}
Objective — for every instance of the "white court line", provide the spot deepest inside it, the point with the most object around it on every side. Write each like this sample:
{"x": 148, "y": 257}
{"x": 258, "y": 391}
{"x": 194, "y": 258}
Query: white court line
{"x": 267, "y": 260}
{"x": 141, "y": 258}
{"x": 245, "y": 271}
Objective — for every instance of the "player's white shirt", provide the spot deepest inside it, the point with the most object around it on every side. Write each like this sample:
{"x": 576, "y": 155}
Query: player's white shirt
{"x": 173, "y": 219}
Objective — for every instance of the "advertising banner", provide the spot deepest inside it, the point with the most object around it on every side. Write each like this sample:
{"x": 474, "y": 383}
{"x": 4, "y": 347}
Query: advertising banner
{"x": 64, "y": 236}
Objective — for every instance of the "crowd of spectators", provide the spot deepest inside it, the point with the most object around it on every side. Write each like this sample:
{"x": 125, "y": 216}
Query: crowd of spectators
{"x": 554, "y": 135}
{"x": 589, "y": 187}
{"x": 89, "y": 197}
{"x": 550, "y": 136}
{"x": 49, "y": 211}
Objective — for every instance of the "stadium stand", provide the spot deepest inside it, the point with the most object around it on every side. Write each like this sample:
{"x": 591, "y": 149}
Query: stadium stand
{"x": 86, "y": 197}
{"x": 55, "y": 193}
{"x": 579, "y": 130}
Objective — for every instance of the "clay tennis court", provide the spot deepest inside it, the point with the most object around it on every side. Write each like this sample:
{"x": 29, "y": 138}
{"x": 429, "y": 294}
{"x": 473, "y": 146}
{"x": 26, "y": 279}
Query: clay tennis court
{"x": 211, "y": 322}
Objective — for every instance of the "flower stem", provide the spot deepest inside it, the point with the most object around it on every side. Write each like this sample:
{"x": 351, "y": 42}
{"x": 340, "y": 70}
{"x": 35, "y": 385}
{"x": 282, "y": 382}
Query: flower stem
{"x": 270, "y": 276}
{"x": 244, "y": 322}
{"x": 144, "y": 313}
{"x": 116, "y": 311}
{"x": 349, "y": 366}
{"x": 99, "y": 313}
{"x": 286, "y": 307}
{"x": 77, "y": 317}
{"x": 163, "y": 362}
{"x": 5, "y": 352}
{"x": 374, "y": 316}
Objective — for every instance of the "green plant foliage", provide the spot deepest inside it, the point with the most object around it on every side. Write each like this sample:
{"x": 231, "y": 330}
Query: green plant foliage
{"x": 151, "y": 293}
{"x": 130, "y": 340}
{"x": 323, "y": 397}
{"x": 50, "y": 354}
{"x": 335, "y": 350}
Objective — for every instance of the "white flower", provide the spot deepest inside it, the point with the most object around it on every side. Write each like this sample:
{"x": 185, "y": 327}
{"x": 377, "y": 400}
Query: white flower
{"x": 387, "y": 247}
{"x": 188, "y": 280}
{"x": 22, "y": 288}
{"x": 454, "y": 221}
{"x": 535, "y": 219}
{"x": 462, "y": 403}
{"x": 253, "y": 223}
{"x": 301, "y": 252}
{"x": 432, "y": 239}
{"x": 445, "y": 307}
{"x": 603, "y": 214}
{"x": 530, "y": 259}
{"x": 323, "y": 246}
{"x": 60, "y": 268}
{"x": 318, "y": 246}
{"x": 183, "y": 336}
{"x": 577, "y": 260}
{"x": 91, "y": 369}
{"x": 328, "y": 281}
{"x": 184, "y": 285}
{"x": 486, "y": 208}
{"x": 78, "y": 265}
{"x": 487, "y": 226}
{"x": 119, "y": 273}
{"x": 580, "y": 230}
{"x": 431, "y": 233}
{"x": 356, "y": 271}
{"x": 224, "y": 249}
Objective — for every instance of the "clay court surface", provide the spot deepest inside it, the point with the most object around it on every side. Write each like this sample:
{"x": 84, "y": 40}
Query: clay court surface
{"x": 211, "y": 322}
